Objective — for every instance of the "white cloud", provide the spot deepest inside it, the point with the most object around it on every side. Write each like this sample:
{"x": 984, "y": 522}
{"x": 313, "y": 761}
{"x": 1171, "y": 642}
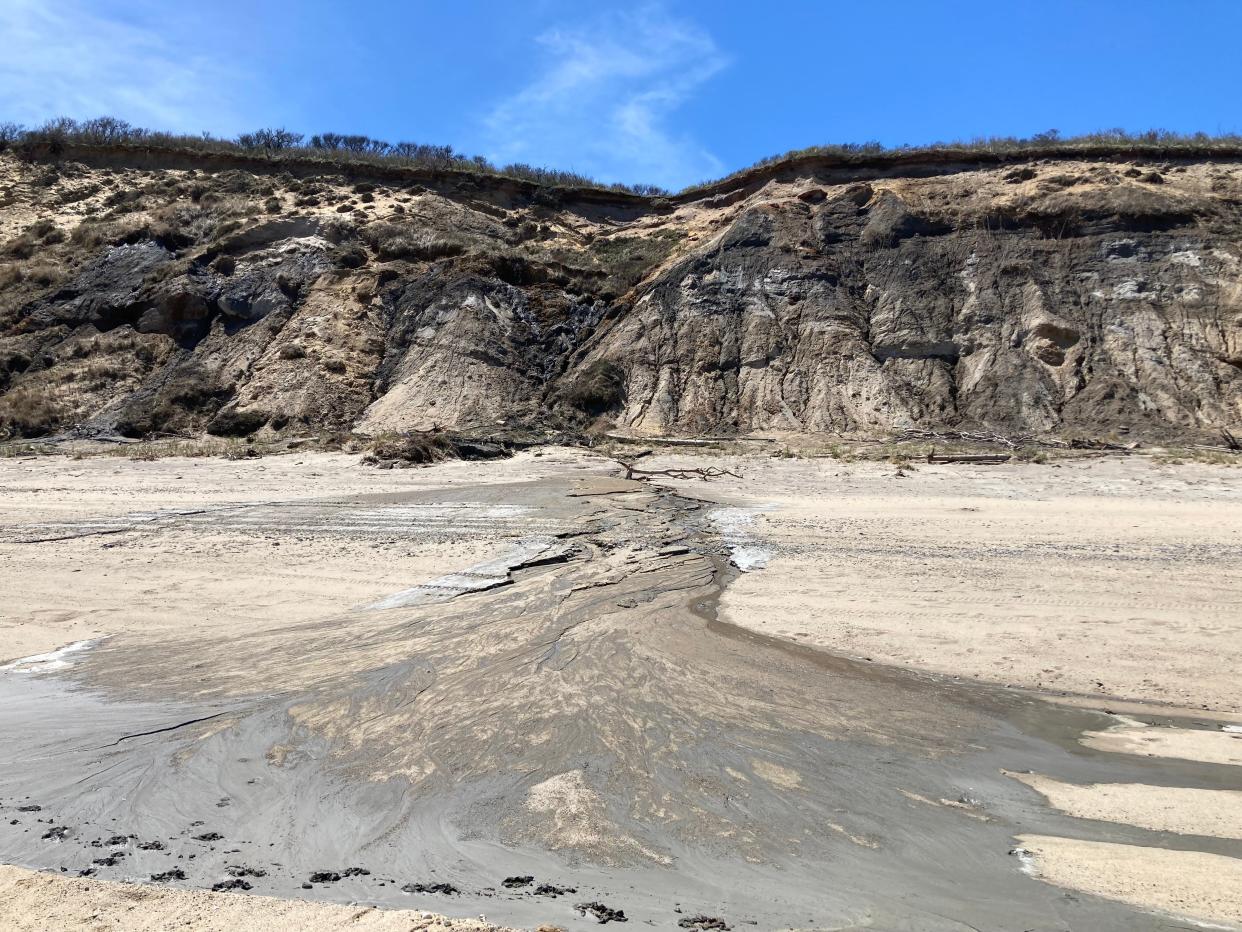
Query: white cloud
{"x": 70, "y": 58}
{"x": 604, "y": 100}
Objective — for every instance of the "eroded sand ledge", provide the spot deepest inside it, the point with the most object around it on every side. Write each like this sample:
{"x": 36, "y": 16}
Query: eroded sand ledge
{"x": 1212, "y": 746}
{"x": 209, "y": 544}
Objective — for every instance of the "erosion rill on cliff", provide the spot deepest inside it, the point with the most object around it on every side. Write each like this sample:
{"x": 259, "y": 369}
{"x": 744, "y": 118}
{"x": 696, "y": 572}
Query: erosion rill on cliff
{"x": 147, "y": 291}
{"x": 566, "y": 728}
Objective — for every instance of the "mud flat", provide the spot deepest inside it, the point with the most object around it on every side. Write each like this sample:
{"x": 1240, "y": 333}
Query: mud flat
{"x": 571, "y": 725}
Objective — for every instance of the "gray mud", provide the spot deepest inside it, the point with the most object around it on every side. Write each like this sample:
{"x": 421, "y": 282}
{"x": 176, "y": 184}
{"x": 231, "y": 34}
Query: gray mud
{"x": 579, "y": 716}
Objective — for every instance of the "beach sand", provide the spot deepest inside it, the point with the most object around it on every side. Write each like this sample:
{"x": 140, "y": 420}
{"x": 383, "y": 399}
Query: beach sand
{"x": 33, "y": 901}
{"x": 1116, "y": 578}
{"x": 1183, "y": 883}
{"x": 1107, "y": 583}
{"x": 107, "y": 545}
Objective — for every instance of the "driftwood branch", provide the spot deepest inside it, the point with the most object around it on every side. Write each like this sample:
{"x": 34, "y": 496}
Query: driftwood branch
{"x": 706, "y": 473}
{"x": 1015, "y": 441}
{"x": 965, "y": 436}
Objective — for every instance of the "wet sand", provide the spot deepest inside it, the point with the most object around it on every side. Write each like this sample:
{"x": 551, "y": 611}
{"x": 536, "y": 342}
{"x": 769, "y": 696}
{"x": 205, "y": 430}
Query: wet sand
{"x": 1111, "y": 584}
{"x": 586, "y": 714}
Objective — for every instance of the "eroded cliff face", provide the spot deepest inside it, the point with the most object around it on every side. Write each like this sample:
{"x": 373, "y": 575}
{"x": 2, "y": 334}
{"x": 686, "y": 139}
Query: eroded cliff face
{"x": 1051, "y": 297}
{"x": 947, "y": 301}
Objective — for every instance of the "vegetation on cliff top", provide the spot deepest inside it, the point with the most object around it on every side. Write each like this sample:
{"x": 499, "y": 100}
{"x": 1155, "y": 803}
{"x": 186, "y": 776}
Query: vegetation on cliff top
{"x": 346, "y": 150}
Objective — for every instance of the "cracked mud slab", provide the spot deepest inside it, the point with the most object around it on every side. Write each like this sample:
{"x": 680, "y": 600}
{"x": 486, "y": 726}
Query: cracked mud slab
{"x": 591, "y": 723}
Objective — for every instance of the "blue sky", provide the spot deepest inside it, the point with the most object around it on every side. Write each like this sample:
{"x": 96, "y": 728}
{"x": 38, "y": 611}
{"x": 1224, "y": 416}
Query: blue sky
{"x": 663, "y": 92}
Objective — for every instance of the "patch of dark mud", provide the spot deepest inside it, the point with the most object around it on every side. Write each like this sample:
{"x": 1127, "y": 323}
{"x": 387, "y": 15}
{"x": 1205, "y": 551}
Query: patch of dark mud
{"x": 445, "y": 889}
{"x": 603, "y": 914}
{"x": 235, "y": 883}
{"x": 243, "y": 870}
{"x": 547, "y": 889}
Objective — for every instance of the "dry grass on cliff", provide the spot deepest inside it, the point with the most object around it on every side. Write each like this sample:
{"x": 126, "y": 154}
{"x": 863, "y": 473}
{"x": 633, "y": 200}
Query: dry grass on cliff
{"x": 56, "y": 137}
{"x": 27, "y": 411}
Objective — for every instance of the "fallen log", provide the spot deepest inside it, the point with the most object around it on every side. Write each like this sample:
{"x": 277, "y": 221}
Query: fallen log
{"x": 668, "y": 441}
{"x": 983, "y": 459}
{"x": 688, "y": 441}
{"x": 1015, "y": 441}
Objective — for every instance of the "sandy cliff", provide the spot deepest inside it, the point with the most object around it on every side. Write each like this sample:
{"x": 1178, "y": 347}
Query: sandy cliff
{"x": 1081, "y": 296}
